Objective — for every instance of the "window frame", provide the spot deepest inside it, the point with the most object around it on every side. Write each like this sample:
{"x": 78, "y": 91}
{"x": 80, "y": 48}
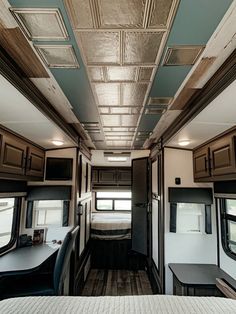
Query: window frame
{"x": 224, "y": 218}
{"x": 113, "y": 199}
{"x": 15, "y": 224}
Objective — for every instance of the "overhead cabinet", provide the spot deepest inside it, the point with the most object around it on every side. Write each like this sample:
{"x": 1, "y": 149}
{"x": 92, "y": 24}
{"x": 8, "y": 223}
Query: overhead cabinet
{"x": 111, "y": 176}
{"x": 19, "y": 159}
{"x": 216, "y": 160}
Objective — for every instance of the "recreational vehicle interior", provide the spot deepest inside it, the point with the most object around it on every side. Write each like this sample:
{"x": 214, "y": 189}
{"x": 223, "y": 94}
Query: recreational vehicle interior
{"x": 117, "y": 156}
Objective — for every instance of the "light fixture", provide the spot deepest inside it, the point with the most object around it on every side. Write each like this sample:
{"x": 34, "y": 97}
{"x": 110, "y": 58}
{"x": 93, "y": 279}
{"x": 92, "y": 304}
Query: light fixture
{"x": 57, "y": 142}
{"x": 184, "y": 143}
{"x": 117, "y": 158}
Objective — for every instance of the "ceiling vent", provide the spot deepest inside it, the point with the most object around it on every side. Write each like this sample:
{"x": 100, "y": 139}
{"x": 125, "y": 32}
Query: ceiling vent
{"x": 182, "y": 55}
{"x": 155, "y": 110}
{"x": 41, "y": 24}
{"x": 91, "y": 127}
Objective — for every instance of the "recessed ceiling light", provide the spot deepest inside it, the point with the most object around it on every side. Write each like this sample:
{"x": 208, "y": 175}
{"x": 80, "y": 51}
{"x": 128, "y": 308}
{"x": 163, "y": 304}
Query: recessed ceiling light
{"x": 184, "y": 143}
{"x": 57, "y": 142}
{"x": 117, "y": 158}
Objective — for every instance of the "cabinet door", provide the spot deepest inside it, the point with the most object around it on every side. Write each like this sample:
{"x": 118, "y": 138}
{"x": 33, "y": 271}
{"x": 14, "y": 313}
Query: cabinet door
{"x": 107, "y": 176}
{"x": 35, "y": 162}
{"x": 223, "y": 156}
{"x": 124, "y": 177}
{"x": 13, "y": 155}
{"x": 201, "y": 166}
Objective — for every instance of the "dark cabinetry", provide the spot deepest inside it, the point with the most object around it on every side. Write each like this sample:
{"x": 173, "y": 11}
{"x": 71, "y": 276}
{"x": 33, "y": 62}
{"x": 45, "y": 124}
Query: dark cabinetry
{"x": 19, "y": 158}
{"x": 111, "y": 176}
{"x": 215, "y": 160}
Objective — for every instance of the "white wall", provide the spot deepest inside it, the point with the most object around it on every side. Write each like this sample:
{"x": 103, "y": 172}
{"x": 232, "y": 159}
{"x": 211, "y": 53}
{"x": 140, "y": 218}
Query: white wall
{"x": 184, "y": 248}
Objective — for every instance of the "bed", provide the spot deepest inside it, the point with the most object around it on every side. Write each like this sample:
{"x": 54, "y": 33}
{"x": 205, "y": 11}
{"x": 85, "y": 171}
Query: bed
{"x": 111, "y": 226}
{"x": 118, "y": 305}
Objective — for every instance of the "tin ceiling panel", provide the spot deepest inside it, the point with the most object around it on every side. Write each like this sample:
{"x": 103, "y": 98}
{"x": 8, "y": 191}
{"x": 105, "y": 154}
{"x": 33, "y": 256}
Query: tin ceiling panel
{"x": 41, "y": 24}
{"x": 160, "y": 15}
{"x": 121, "y": 14}
{"x": 121, "y": 43}
{"x": 58, "y": 56}
{"x": 182, "y": 55}
{"x": 96, "y": 74}
{"x": 100, "y": 47}
{"x": 133, "y": 94}
{"x": 108, "y": 94}
{"x": 145, "y": 74}
{"x": 80, "y": 13}
{"x": 120, "y": 73}
{"x": 141, "y": 47}
{"x": 129, "y": 120}
{"x": 111, "y": 120}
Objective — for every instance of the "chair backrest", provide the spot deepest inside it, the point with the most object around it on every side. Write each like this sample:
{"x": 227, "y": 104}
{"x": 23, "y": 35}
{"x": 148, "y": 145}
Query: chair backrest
{"x": 63, "y": 260}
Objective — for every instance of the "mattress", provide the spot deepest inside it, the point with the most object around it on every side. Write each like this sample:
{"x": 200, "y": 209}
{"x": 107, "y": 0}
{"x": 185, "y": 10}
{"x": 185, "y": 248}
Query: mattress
{"x": 111, "y": 226}
{"x": 118, "y": 305}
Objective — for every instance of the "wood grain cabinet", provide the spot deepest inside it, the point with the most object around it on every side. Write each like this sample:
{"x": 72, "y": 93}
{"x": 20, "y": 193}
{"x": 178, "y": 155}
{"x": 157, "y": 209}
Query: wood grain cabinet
{"x": 201, "y": 164}
{"x": 222, "y": 154}
{"x": 35, "y": 162}
{"x": 19, "y": 159}
{"x": 109, "y": 176}
{"x": 13, "y": 155}
{"x": 216, "y": 160}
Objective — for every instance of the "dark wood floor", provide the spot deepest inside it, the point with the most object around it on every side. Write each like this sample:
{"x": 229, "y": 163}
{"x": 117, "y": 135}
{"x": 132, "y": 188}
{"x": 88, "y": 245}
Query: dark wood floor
{"x": 116, "y": 283}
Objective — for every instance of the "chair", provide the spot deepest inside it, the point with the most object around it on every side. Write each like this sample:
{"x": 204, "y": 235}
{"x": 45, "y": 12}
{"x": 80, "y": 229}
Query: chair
{"x": 43, "y": 286}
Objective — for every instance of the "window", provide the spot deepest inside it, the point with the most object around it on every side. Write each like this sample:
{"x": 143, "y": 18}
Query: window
{"x": 190, "y": 218}
{"x": 48, "y": 213}
{"x": 9, "y": 215}
{"x": 228, "y": 219}
{"x": 113, "y": 201}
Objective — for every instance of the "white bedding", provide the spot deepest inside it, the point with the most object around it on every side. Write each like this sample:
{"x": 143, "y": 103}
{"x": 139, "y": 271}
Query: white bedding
{"x": 149, "y": 304}
{"x": 111, "y": 226}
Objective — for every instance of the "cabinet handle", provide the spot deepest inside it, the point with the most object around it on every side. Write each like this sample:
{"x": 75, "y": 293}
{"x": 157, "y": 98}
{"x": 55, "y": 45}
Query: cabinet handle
{"x": 206, "y": 161}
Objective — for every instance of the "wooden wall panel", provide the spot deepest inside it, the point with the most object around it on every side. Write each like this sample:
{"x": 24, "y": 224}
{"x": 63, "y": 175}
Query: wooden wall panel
{"x": 17, "y": 46}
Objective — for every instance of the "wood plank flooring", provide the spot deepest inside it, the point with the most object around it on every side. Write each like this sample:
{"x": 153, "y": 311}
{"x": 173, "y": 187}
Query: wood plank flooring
{"x": 116, "y": 283}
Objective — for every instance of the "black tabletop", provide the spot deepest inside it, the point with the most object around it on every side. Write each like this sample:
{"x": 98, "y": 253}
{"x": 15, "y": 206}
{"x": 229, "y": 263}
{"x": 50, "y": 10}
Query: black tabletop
{"x": 26, "y": 258}
{"x": 200, "y": 274}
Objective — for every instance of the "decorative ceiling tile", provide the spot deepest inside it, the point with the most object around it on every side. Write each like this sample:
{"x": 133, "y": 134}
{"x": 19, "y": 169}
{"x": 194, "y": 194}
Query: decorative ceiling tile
{"x": 96, "y": 74}
{"x": 105, "y": 110}
{"x": 80, "y": 13}
{"x": 41, "y": 24}
{"x": 122, "y": 13}
{"x": 56, "y": 56}
{"x": 100, "y": 47}
{"x": 182, "y": 55}
{"x": 159, "y": 100}
{"x": 145, "y": 74}
{"x": 119, "y": 133}
{"x": 111, "y": 138}
{"x": 118, "y": 143}
{"x": 133, "y": 94}
{"x": 141, "y": 47}
{"x": 129, "y": 120}
{"x": 120, "y": 73}
{"x": 120, "y": 110}
{"x": 161, "y": 13}
{"x": 108, "y": 94}
{"x": 111, "y": 120}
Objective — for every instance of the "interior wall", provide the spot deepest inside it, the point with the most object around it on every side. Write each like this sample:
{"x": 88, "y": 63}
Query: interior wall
{"x": 226, "y": 263}
{"x": 59, "y": 232}
{"x": 184, "y": 248}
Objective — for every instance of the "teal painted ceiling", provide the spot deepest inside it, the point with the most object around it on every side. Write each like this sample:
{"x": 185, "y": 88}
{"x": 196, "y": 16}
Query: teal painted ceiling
{"x": 194, "y": 23}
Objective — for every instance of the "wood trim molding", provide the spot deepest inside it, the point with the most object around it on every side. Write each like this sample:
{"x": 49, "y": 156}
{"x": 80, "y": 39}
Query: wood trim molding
{"x": 11, "y": 71}
{"x": 225, "y": 75}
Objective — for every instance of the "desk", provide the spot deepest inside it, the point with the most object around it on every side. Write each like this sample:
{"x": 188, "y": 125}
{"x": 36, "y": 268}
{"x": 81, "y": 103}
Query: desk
{"x": 198, "y": 279}
{"x": 25, "y": 259}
